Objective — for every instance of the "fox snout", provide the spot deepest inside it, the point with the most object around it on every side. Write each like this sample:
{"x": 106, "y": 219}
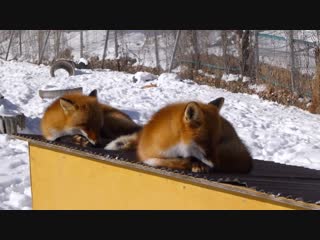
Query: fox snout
{"x": 92, "y": 137}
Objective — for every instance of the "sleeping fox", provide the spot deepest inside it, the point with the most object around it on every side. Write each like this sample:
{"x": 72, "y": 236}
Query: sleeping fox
{"x": 78, "y": 114}
{"x": 189, "y": 135}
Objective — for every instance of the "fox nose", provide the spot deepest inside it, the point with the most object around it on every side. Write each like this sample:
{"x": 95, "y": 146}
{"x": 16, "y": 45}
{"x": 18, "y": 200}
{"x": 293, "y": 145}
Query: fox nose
{"x": 94, "y": 140}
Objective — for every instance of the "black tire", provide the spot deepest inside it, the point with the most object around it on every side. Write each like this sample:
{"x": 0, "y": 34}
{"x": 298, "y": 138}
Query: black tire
{"x": 62, "y": 64}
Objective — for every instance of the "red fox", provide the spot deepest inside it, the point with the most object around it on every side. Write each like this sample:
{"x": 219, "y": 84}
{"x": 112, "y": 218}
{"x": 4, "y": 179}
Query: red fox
{"x": 190, "y": 135}
{"x": 78, "y": 114}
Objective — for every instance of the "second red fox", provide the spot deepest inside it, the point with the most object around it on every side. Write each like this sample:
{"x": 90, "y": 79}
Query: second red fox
{"x": 179, "y": 133}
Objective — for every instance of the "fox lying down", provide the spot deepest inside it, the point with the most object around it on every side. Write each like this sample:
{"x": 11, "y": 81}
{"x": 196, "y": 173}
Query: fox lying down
{"x": 78, "y": 114}
{"x": 189, "y": 135}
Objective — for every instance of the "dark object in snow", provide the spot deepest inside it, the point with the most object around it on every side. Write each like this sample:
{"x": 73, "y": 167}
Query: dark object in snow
{"x": 134, "y": 79}
{"x": 10, "y": 124}
{"x": 67, "y": 65}
{"x": 58, "y": 93}
{"x": 82, "y": 65}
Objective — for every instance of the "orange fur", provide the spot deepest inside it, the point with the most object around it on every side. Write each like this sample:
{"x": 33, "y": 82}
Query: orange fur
{"x": 80, "y": 114}
{"x": 178, "y": 132}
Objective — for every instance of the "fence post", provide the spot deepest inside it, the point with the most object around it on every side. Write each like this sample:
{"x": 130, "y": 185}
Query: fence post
{"x": 256, "y": 54}
{"x": 81, "y": 44}
{"x": 10, "y": 41}
{"x": 292, "y": 61}
{"x": 156, "y": 49}
{"x": 174, "y": 49}
{"x": 105, "y": 48}
{"x": 44, "y": 47}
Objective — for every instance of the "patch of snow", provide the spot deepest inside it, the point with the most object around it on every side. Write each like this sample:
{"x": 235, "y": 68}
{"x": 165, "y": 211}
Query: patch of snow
{"x": 258, "y": 87}
{"x": 230, "y": 77}
{"x": 144, "y": 77}
{"x": 83, "y": 60}
{"x": 246, "y": 79}
{"x": 165, "y": 77}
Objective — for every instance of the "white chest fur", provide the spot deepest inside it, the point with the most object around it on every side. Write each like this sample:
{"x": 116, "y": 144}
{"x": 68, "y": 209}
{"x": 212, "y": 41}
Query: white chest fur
{"x": 187, "y": 150}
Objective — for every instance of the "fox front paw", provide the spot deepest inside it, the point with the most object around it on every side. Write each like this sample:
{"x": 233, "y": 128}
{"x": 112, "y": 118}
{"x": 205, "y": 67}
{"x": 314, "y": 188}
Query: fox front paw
{"x": 80, "y": 140}
{"x": 199, "y": 167}
{"x": 115, "y": 145}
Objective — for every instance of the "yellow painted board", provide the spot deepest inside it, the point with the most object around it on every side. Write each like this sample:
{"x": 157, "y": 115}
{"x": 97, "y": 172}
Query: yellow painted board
{"x": 61, "y": 180}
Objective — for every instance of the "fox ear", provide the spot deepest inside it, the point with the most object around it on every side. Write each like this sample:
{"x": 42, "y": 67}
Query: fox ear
{"x": 192, "y": 112}
{"x": 218, "y": 102}
{"x": 94, "y": 93}
{"x": 67, "y": 105}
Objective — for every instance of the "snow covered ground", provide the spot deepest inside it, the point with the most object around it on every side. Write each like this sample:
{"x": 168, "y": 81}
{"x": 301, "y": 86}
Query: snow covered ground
{"x": 273, "y": 132}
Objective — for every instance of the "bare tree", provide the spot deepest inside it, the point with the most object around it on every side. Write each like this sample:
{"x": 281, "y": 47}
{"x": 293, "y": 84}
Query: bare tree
{"x": 57, "y": 42}
{"x": 116, "y": 43}
{"x": 10, "y": 42}
{"x": 44, "y": 47}
{"x": 315, "y": 107}
{"x": 20, "y": 42}
{"x": 195, "y": 45}
{"x": 244, "y": 51}
{"x": 156, "y": 49}
{"x": 81, "y": 44}
{"x": 174, "y": 49}
{"x": 256, "y": 54}
{"x": 105, "y": 48}
{"x": 224, "y": 40}
{"x": 292, "y": 61}
{"x": 40, "y": 43}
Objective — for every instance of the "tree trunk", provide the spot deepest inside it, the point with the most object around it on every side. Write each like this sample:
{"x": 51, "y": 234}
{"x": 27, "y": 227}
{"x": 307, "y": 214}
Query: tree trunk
{"x": 20, "y": 42}
{"x": 292, "y": 62}
{"x": 174, "y": 49}
{"x": 195, "y": 44}
{"x": 10, "y": 42}
{"x": 256, "y": 54}
{"x": 57, "y": 42}
{"x": 315, "y": 107}
{"x": 40, "y": 43}
{"x": 81, "y": 44}
{"x": 224, "y": 39}
{"x": 44, "y": 47}
{"x": 244, "y": 51}
{"x": 116, "y": 43}
{"x": 105, "y": 48}
{"x": 156, "y": 49}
